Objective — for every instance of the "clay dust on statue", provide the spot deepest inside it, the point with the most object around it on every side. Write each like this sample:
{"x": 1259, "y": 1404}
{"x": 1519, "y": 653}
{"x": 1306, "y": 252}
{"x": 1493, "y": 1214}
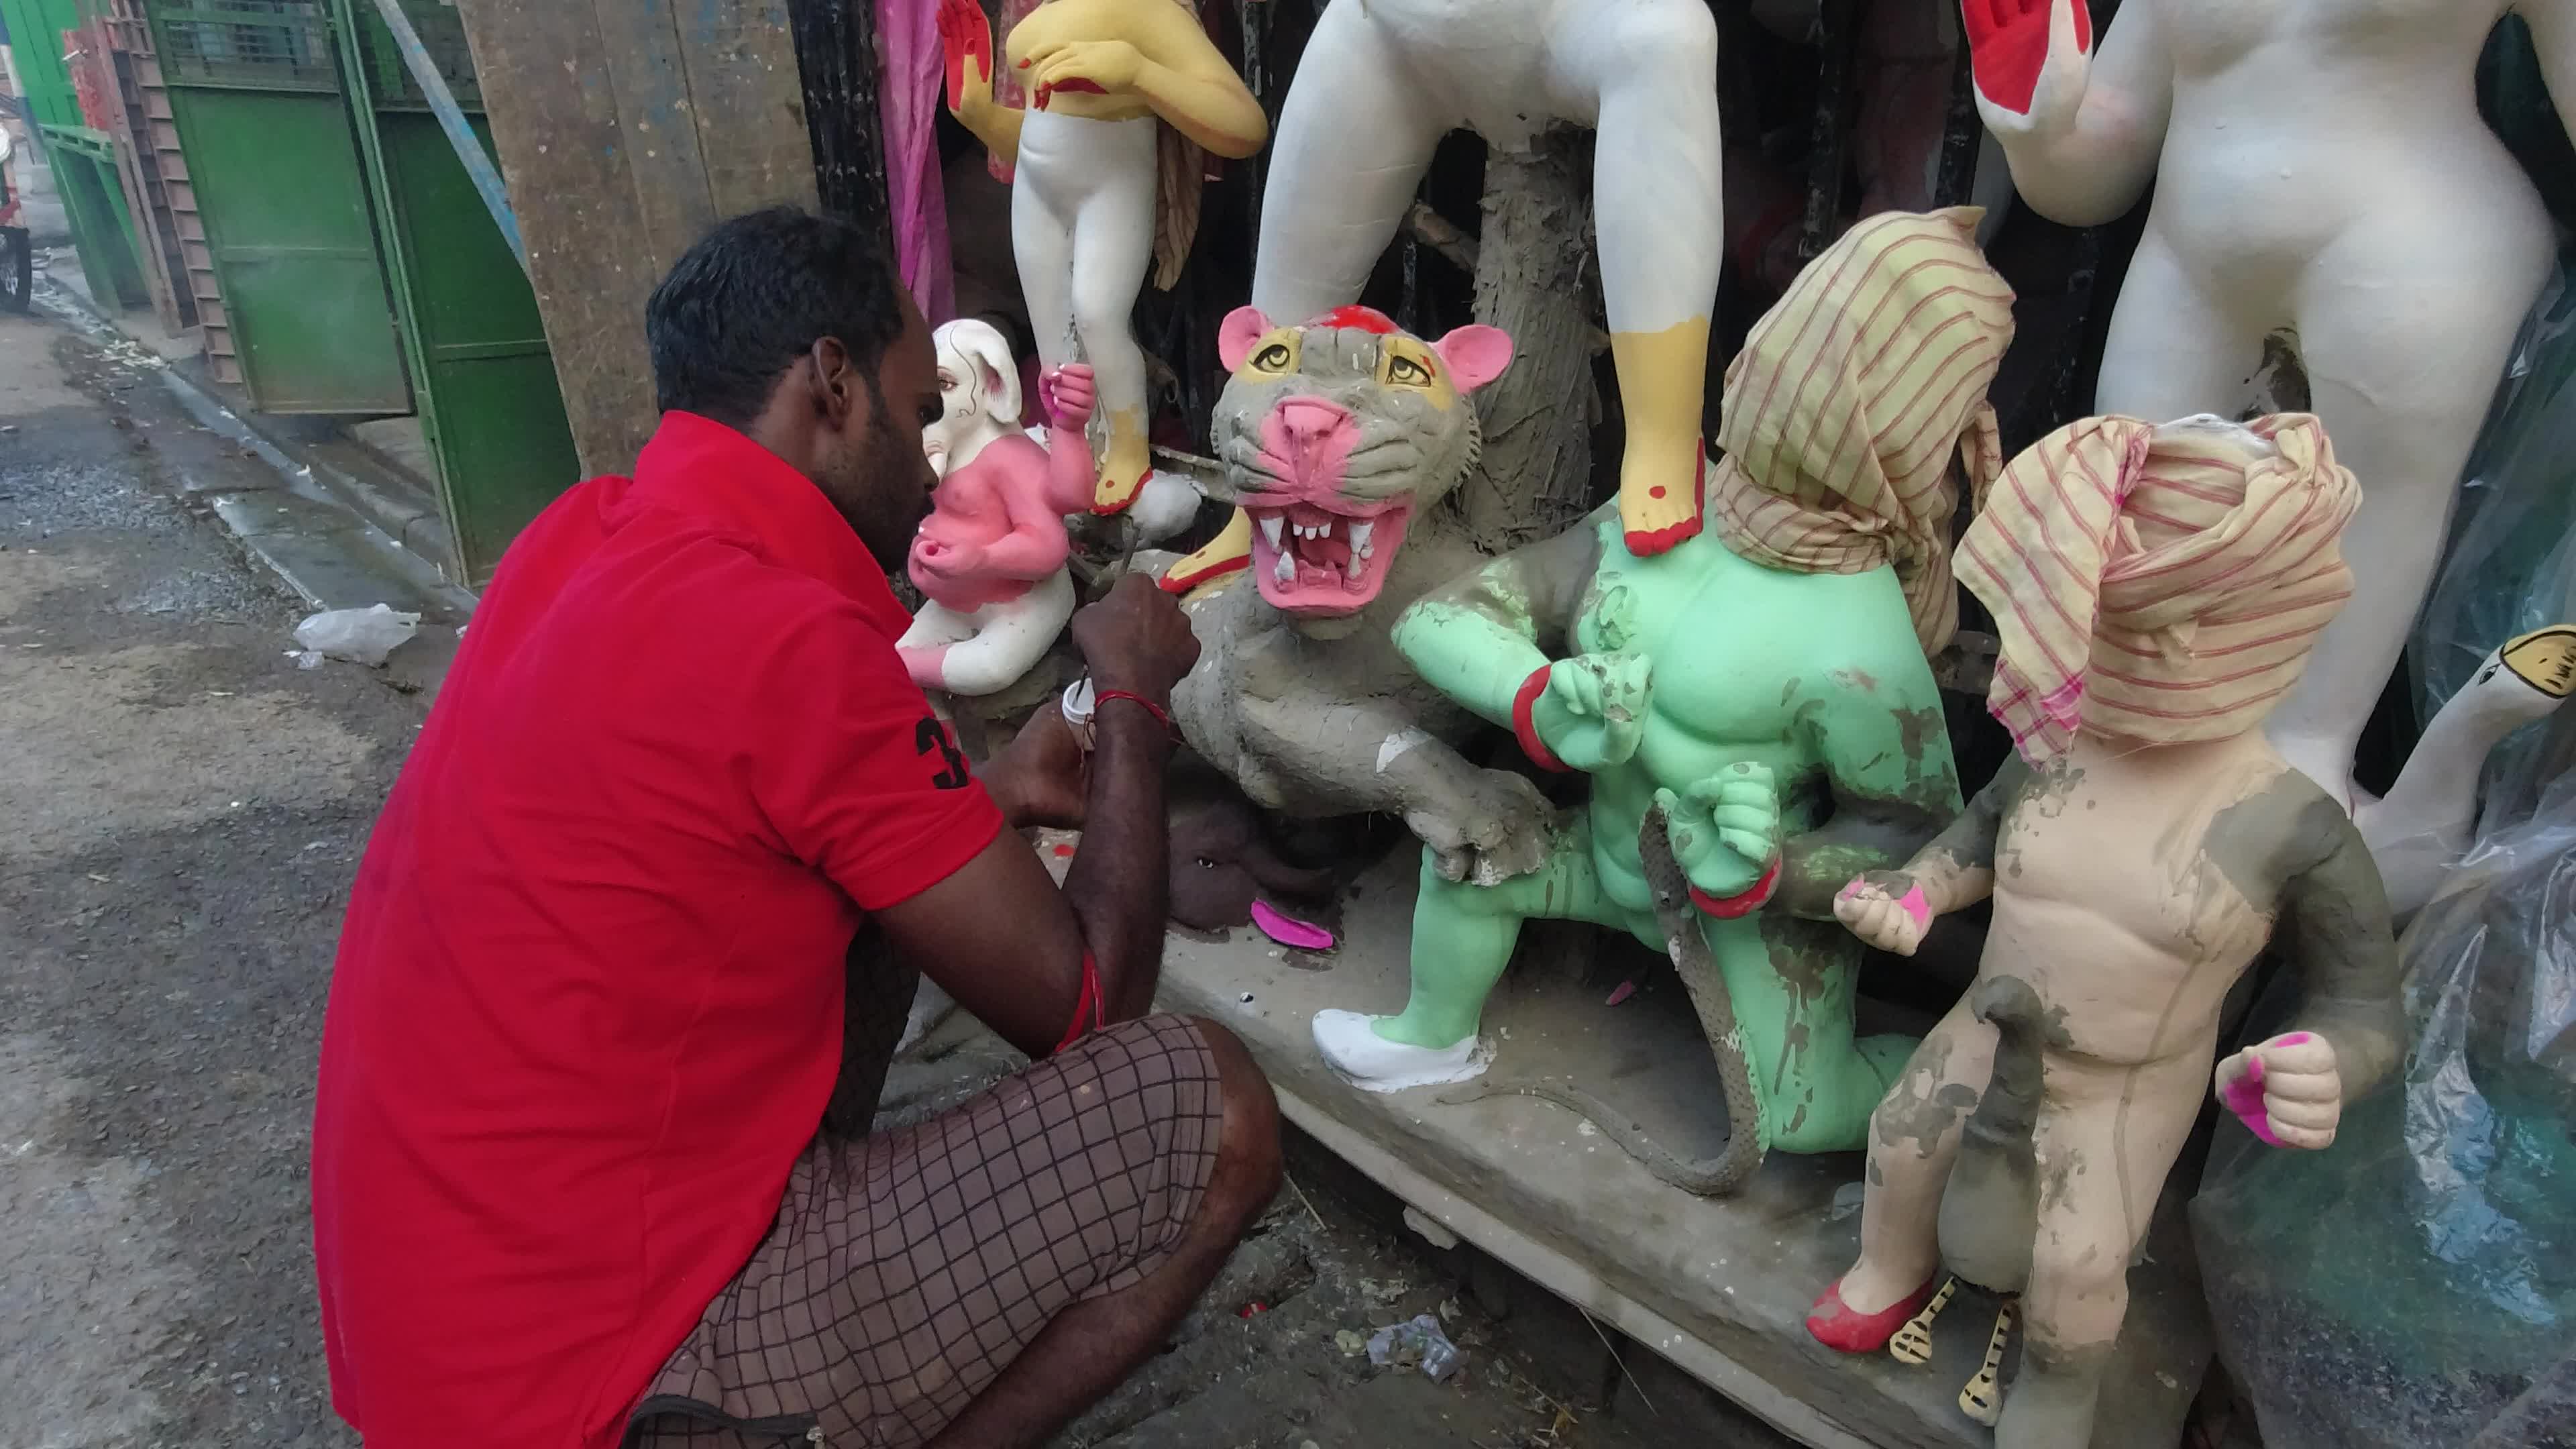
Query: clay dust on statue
{"x": 1380, "y": 83}
{"x": 1764, "y": 688}
{"x": 2319, "y": 168}
{"x": 1108, "y": 83}
{"x": 2157, "y": 590}
{"x": 1342, "y": 436}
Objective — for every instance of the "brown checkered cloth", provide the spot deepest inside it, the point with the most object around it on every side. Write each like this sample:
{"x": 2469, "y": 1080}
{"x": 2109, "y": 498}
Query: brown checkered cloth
{"x": 906, "y": 1271}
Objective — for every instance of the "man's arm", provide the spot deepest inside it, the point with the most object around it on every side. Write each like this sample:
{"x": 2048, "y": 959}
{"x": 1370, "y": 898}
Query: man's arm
{"x": 997, "y": 935}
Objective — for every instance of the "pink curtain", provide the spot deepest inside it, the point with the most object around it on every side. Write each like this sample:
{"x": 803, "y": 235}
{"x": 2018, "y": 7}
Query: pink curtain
{"x": 909, "y": 100}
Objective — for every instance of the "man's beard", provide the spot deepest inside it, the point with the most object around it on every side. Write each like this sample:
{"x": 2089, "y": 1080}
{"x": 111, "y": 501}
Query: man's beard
{"x": 868, "y": 496}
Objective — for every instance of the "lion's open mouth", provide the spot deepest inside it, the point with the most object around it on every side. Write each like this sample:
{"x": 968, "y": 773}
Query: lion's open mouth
{"x": 1312, "y": 560}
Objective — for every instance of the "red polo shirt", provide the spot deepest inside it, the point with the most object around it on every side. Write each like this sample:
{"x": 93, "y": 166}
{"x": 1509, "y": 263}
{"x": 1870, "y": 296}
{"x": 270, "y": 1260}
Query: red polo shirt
{"x": 587, "y": 1006}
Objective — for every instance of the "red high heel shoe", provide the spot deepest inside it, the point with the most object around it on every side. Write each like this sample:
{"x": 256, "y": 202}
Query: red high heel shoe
{"x": 1837, "y": 1325}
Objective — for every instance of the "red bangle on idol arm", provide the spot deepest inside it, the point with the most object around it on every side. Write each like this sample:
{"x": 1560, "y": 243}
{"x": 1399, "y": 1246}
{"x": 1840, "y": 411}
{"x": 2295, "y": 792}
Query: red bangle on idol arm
{"x": 1090, "y": 1010}
{"x": 1744, "y": 904}
{"x": 1527, "y": 728}
{"x": 1103, "y": 696}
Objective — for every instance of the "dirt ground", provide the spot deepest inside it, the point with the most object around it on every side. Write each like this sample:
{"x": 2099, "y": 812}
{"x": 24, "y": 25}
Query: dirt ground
{"x": 184, "y": 809}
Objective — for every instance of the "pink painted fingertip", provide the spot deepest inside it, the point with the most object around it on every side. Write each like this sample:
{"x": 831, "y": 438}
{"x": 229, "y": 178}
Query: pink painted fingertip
{"x": 1917, "y": 907}
{"x": 2296, "y": 1038}
{"x": 1851, "y": 890}
{"x": 2244, "y": 1097}
{"x": 1289, "y": 931}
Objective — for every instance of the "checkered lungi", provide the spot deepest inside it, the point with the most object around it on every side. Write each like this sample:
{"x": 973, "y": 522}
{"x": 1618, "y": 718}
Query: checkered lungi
{"x": 906, "y": 1271}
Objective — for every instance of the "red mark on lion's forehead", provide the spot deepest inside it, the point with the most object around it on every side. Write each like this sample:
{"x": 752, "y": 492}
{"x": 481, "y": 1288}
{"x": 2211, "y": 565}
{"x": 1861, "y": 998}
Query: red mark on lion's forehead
{"x": 1366, "y": 319}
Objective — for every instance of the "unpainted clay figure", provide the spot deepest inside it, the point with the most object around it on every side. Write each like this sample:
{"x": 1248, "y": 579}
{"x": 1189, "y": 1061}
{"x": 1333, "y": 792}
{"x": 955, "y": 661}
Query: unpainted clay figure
{"x": 2320, "y": 169}
{"x": 1765, "y": 684}
{"x": 2157, "y": 590}
{"x": 990, "y": 557}
{"x": 1103, "y": 77}
{"x": 1342, "y": 435}
{"x": 1380, "y": 83}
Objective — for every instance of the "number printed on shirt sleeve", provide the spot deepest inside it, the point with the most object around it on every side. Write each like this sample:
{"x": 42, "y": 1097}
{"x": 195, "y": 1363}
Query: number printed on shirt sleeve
{"x": 932, "y": 735}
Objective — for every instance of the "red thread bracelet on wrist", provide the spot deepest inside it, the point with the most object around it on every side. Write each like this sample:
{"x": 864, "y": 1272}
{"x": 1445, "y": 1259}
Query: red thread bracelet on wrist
{"x": 1090, "y": 1008}
{"x": 1526, "y": 727}
{"x": 1103, "y": 696}
{"x": 1744, "y": 904}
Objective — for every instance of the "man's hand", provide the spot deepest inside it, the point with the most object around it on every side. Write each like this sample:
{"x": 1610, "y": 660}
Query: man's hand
{"x": 1100, "y": 67}
{"x": 2033, "y": 61}
{"x": 1885, "y": 909}
{"x": 966, "y": 45}
{"x": 2286, "y": 1090}
{"x": 1067, "y": 395}
{"x": 1136, "y": 640}
{"x": 1594, "y": 709}
{"x": 1725, "y": 829}
{"x": 1042, "y": 777}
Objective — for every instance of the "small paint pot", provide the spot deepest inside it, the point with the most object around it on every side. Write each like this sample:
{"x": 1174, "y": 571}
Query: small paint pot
{"x": 1079, "y": 704}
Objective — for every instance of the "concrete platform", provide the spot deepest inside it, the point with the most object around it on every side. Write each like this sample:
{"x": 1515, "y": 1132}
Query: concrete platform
{"x": 1719, "y": 1287}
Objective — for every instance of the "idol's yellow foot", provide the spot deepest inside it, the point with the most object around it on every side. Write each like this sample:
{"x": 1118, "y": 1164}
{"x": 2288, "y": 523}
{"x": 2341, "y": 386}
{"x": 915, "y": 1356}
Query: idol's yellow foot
{"x": 1124, "y": 466}
{"x": 1229, "y": 552}
{"x": 1659, "y": 503}
{"x": 1663, "y": 474}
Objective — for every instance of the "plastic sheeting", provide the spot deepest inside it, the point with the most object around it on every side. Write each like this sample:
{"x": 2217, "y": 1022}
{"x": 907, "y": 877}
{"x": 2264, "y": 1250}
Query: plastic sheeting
{"x": 2511, "y": 564}
{"x": 2415, "y": 1284}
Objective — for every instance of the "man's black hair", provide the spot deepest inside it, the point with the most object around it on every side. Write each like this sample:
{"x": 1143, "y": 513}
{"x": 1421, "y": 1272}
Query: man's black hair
{"x": 755, "y": 294}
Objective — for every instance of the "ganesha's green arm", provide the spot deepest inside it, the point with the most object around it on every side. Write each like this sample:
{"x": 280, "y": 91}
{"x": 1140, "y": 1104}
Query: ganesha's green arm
{"x": 1479, "y": 638}
{"x": 1886, "y": 752}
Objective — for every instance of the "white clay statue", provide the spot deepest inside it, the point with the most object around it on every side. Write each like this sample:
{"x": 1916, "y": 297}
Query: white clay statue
{"x": 990, "y": 557}
{"x": 1103, "y": 77}
{"x": 2319, "y": 169}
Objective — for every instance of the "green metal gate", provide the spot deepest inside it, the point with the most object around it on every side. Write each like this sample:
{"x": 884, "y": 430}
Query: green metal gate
{"x": 82, "y": 159}
{"x": 484, "y": 380}
{"x": 254, "y": 90}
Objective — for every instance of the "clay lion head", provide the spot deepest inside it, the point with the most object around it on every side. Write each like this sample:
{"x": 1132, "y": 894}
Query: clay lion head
{"x": 1334, "y": 434}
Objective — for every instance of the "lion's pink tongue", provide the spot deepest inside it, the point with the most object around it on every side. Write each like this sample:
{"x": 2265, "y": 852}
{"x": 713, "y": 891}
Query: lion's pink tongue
{"x": 1331, "y": 551}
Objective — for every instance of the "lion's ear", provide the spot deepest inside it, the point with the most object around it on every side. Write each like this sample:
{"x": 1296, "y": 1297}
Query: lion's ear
{"x": 1242, "y": 327}
{"x": 1475, "y": 355}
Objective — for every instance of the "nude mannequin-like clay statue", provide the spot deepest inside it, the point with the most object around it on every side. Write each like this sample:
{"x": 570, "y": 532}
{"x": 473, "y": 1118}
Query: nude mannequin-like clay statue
{"x": 2157, "y": 590}
{"x": 1104, "y": 77}
{"x": 1764, "y": 685}
{"x": 2320, "y": 169}
{"x": 1381, "y": 82}
{"x": 990, "y": 558}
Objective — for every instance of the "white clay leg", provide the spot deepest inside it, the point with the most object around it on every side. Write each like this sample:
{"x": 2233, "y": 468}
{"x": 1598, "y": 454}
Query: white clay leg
{"x": 1009, "y": 639}
{"x": 1354, "y": 138}
{"x": 935, "y": 625}
{"x": 1046, "y": 192}
{"x": 2404, "y": 348}
{"x": 1113, "y": 250}
{"x": 2172, "y": 350}
{"x": 1913, "y": 1139}
{"x": 1657, "y": 192}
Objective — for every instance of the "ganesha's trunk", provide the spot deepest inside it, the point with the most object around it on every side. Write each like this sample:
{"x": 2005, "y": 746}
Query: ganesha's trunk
{"x": 1990, "y": 1210}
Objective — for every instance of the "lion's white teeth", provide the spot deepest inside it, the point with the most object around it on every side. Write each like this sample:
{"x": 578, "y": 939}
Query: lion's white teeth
{"x": 1360, "y": 532}
{"x": 1270, "y": 529}
{"x": 1286, "y": 569}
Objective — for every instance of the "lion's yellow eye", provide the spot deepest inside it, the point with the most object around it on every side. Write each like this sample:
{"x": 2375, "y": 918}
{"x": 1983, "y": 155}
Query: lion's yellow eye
{"x": 1407, "y": 371}
{"x": 1273, "y": 358}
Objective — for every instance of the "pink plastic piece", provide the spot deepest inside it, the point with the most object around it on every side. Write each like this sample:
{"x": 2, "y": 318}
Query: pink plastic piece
{"x": 1917, "y": 907}
{"x": 1288, "y": 931}
{"x": 2244, "y": 1097}
{"x": 1626, "y": 990}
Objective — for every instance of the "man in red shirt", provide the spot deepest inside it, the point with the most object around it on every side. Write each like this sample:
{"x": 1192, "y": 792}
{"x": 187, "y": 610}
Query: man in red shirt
{"x": 660, "y": 873}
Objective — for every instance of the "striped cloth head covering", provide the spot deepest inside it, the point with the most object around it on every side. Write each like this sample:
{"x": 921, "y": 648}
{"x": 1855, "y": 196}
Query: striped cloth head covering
{"x": 2157, "y": 584}
{"x": 1851, "y": 397}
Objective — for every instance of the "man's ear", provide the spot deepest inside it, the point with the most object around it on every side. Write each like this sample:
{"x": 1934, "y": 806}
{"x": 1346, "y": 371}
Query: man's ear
{"x": 837, "y": 395}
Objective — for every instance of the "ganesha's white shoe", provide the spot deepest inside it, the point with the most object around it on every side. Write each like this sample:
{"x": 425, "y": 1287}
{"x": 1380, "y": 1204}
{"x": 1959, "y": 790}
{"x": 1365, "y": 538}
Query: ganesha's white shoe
{"x": 1373, "y": 1064}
